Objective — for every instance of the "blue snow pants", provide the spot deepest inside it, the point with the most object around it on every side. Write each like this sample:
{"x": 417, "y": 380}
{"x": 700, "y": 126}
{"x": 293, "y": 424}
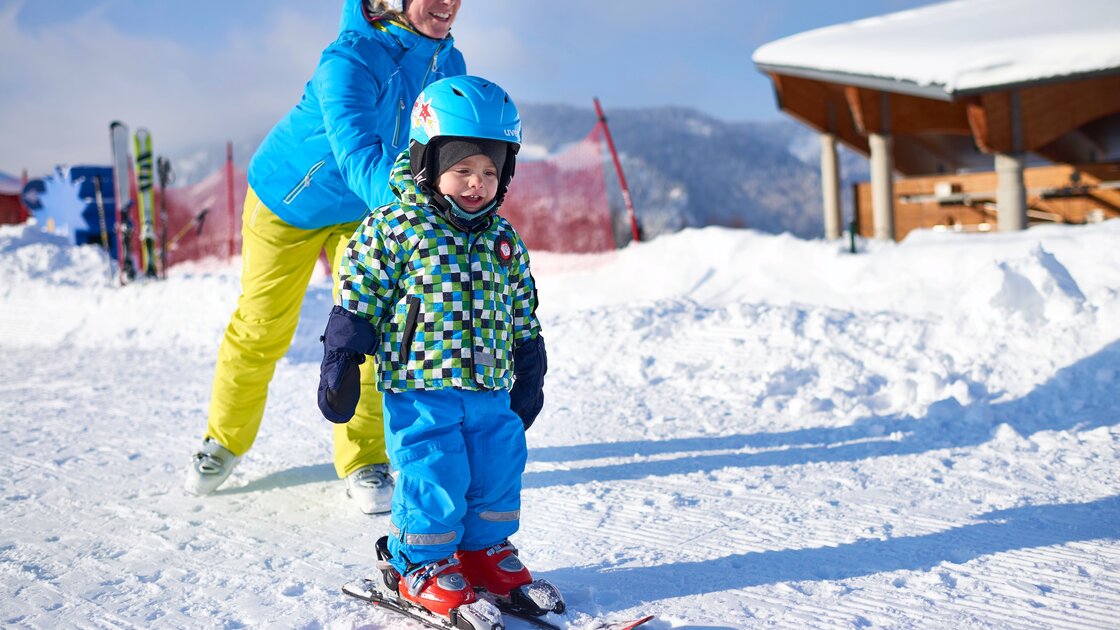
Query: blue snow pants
{"x": 459, "y": 455}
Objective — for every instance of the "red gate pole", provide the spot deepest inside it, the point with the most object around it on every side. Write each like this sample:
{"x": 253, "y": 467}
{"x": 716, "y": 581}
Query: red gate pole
{"x": 229, "y": 194}
{"x": 22, "y": 206}
{"x": 618, "y": 168}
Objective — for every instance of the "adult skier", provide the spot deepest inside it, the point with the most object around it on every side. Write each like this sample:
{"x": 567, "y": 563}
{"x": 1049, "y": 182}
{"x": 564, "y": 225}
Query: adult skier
{"x": 311, "y": 181}
{"x": 436, "y": 286}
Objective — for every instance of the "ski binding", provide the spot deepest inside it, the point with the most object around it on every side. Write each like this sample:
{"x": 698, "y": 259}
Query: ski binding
{"x": 486, "y": 613}
{"x": 479, "y": 615}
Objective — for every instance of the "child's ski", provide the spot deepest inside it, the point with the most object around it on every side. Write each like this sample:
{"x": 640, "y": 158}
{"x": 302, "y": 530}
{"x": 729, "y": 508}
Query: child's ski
{"x": 595, "y": 624}
{"x": 143, "y": 141}
{"x": 623, "y": 625}
{"x": 367, "y": 590}
{"x": 118, "y": 133}
{"x": 480, "y": 615}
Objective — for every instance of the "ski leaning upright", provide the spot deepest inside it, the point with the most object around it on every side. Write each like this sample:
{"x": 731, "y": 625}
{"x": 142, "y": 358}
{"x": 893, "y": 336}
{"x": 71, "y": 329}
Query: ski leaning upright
{"x": 143, "y": 141}
{"x": 118, "y": 133}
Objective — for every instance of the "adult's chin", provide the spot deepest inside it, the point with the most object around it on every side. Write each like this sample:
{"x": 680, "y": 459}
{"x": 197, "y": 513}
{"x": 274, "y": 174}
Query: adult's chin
{"x": 434, "y": 30}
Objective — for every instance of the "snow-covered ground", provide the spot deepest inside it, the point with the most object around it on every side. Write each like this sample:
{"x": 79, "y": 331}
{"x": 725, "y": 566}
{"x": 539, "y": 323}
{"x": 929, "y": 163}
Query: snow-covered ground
{"x": 742, "y": 431}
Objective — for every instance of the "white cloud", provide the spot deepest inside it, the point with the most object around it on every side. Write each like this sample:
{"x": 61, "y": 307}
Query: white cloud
{"x": 61, "y": 86}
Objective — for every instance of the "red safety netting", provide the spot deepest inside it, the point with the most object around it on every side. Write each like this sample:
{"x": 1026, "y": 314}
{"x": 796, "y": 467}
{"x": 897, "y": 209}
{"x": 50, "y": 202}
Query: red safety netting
{"x": 200, "y": 223}
{"x": 559, "y": 204}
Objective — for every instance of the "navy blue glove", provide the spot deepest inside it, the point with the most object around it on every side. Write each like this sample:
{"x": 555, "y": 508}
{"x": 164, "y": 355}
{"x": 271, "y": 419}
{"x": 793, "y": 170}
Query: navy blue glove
{"x": 346, "y": 341}
{"x": 530, "y": 363}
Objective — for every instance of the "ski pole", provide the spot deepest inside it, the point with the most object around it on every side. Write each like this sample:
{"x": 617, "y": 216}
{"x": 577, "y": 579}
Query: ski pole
{"x": 200, "y": 218}
{"x": 166, "y": 176}
{"x": 101, "y": 218}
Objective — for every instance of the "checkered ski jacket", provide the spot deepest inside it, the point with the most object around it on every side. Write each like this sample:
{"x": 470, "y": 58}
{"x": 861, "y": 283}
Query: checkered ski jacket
{"x": 449, "y": 307}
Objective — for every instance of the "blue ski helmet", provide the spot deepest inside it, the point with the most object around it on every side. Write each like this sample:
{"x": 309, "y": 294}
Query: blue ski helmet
{"x": 462, "y": 108}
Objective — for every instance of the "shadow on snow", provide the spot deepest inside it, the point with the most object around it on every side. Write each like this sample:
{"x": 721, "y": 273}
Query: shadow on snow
{"x": 1079, "y": 397}
{"x": 298, "y": 476}
{"x": 999, "y": 531}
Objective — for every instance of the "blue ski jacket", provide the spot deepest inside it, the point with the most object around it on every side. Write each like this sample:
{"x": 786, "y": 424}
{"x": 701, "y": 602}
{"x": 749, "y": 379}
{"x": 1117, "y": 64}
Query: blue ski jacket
{"x": 328, "y": 161}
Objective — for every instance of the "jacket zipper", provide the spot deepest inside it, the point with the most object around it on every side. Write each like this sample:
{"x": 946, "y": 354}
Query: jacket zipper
{"x": 471, "y": 241}
{"x": 397, "y": 130}
{"x": 304, "y": 183}
{"x": 423, "y": 84}
{"x": 431, "y": 66}
{"x": 409, "y": 329}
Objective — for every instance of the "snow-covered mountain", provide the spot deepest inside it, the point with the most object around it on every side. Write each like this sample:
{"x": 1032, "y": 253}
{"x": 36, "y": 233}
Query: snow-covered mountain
{"x": 923, "y": 435}
{"x": 684, "y": 168}
{"x": 688, "y": 169}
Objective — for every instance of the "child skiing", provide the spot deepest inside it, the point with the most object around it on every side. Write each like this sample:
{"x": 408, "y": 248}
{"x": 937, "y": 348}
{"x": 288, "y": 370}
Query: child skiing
{"x": 436, "y": 286}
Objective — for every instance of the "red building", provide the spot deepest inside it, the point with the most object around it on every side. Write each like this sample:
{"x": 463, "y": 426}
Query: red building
{"x": 11, "y": 209}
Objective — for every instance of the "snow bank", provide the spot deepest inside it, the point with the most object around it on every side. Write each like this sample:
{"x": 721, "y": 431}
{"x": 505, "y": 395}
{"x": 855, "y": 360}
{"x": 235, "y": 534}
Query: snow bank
{"x": 741, "y": 430}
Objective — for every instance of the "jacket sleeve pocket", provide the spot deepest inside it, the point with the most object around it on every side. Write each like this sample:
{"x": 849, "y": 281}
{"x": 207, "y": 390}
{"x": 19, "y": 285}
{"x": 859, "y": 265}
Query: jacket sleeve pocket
{"x": 409, "y": 329}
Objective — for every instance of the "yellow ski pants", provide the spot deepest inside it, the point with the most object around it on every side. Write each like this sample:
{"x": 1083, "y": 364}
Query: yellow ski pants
{"x": 277, "y": 262}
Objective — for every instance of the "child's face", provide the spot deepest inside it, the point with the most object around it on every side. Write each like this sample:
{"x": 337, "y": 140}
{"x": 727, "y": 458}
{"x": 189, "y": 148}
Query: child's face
{"x": 472, "y": 182}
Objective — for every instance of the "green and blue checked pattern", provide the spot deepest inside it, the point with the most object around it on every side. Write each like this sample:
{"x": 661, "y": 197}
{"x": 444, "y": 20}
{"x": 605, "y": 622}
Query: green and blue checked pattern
{"x": 449, "y": 307}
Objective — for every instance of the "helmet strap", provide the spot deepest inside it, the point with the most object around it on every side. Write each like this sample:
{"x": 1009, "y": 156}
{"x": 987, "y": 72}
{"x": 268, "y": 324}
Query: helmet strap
{"x": 419, "y": 154}
{"x": 460, "y": 218}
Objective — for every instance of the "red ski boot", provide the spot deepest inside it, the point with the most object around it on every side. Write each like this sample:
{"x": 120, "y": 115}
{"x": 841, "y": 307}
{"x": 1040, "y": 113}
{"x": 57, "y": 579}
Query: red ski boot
{"x": 498, "y": 571}
{"x": 439, "y": 590}
{"x": 438, "y": 587}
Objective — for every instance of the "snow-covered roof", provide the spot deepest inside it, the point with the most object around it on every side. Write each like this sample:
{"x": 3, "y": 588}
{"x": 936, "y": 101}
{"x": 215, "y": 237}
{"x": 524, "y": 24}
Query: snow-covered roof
{"x": 10, "y": 185}
{"x": 955, "y": 48}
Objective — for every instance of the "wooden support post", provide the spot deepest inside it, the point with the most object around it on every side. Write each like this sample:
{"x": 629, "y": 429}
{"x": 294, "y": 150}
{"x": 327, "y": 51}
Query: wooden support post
{"x": 830, "y": 186}
{"x": 1011, "y": 193}
{"x": 882, "y": 185}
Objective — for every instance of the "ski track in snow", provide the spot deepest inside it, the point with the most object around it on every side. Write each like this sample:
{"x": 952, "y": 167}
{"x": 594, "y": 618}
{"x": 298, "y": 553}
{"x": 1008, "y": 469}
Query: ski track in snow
{"x": 741, "y": 431}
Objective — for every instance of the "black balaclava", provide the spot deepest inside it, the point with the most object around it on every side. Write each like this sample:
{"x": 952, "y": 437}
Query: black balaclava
{"x": 455, "y": 150}
{"x": 443, "y": 153}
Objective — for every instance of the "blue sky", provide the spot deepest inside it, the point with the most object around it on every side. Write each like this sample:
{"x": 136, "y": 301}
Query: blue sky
{"x": 204, "y": 71}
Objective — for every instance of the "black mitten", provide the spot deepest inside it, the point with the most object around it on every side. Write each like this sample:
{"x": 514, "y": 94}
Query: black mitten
{"x": 530, "y": 363}
{"x": 346, "y": 341}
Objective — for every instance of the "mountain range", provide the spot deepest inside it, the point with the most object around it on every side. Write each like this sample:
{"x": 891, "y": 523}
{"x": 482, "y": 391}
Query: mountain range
{"x": 684, "y": 168}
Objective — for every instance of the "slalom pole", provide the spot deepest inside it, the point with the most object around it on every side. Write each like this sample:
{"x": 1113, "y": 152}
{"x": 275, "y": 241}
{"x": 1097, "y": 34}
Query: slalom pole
{"x": 23, "y": 206}
{"x": 634, "y": 233}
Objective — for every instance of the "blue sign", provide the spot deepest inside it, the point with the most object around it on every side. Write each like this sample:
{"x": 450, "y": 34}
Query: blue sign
{"x": 64, "y": 203}
{"x": 33, "y": 194}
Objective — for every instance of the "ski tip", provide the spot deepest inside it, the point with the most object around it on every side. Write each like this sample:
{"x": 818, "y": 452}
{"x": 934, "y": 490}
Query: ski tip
{"x": 629, "y": 625}
{"x": 362, "y": 589}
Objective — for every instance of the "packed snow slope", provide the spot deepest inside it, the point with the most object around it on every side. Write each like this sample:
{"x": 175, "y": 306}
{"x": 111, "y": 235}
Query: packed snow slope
{"x": 741, "y": 431}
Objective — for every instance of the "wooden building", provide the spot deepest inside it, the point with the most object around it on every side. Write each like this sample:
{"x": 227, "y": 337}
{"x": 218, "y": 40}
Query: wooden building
{"x": 994, "y": 112}
{"x": 11, "y": 206}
